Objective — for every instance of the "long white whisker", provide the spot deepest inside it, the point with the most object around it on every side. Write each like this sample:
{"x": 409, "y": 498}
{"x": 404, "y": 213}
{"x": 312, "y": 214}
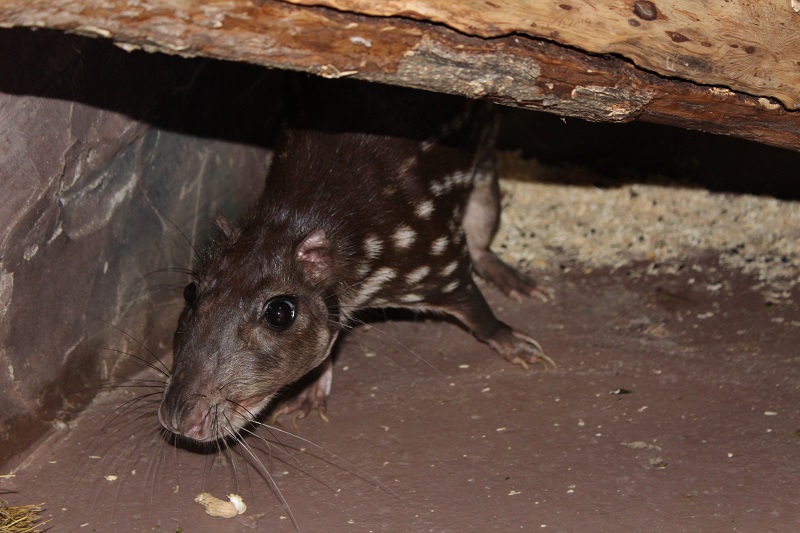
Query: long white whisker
{"x": 362, "y": 473}
{"x": 236, "y": 437}
{"x": 165, "y": 372}
{"x": 407, "y": 348}
{"x": 251, "y": 418}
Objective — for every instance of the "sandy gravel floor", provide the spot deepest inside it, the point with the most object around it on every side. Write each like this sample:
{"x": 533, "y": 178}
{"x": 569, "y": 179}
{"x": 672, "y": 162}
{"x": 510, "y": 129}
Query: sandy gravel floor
{"x": 546, "y": 223}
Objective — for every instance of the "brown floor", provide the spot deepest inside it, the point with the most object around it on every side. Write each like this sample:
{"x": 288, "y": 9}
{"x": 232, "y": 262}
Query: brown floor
{"x": 674, "y": 408}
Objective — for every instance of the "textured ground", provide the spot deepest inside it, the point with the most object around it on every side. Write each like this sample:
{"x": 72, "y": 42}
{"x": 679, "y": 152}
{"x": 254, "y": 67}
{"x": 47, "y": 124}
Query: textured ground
{"x": 674, "y": 407}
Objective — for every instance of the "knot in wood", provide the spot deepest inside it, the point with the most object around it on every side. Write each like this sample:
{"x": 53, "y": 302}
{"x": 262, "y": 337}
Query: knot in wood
{"x": 645, "y": 10}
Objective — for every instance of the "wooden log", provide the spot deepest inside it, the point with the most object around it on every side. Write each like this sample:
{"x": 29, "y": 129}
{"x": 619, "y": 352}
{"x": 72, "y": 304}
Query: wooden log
{"x": 750, "y": 47}
{"x": 514, "y": 70}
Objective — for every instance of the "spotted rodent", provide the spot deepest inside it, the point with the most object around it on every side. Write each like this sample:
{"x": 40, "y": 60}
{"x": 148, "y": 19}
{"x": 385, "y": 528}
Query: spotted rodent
{"x": 376, "y": 197}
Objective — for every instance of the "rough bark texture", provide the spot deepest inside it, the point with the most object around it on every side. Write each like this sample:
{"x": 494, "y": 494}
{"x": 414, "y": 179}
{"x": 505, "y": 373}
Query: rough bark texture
{"x": 732, "y": 87}
{"x": 98, "y": 184}
{"x": 752, "y": 47}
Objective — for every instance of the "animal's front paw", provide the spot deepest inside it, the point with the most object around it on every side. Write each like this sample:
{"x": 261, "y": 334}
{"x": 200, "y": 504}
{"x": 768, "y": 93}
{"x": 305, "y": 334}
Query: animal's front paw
{"x": 312, "y": 398}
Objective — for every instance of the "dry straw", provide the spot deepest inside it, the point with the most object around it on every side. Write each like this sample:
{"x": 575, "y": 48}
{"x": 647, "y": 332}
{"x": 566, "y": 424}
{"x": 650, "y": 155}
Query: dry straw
{"x": 20, "y": 519}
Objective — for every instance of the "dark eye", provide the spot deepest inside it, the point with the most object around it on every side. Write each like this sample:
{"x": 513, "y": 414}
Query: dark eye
{"x": 280, "y": 312}
{"x": 190, "y": 293}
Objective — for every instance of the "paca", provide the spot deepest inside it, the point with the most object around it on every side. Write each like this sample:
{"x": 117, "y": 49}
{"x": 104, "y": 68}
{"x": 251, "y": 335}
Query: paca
{"x": 376, "y": 197}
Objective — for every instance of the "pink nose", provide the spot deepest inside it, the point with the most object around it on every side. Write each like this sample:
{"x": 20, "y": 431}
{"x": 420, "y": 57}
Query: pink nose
{"x": 194, "y": 419}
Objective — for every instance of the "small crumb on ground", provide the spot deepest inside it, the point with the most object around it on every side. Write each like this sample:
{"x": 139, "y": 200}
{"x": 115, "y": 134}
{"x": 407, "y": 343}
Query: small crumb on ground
{"x": 221, "y": 508}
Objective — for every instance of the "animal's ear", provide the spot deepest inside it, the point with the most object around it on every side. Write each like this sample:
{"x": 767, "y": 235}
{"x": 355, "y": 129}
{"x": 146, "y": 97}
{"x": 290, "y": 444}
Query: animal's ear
{"x": 314, "y": 255}
{"x": 227, "y": 229}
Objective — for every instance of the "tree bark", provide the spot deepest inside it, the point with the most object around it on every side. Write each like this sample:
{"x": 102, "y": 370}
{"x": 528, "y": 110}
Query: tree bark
{"x": 728, "y": 68}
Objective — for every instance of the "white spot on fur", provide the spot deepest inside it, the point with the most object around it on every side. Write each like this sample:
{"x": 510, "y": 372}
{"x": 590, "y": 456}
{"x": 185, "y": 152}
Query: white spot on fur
{"x": 439, "y": 245}
{"x": 449, "y": 269}
{"x": 439, "y": 187}
{"x": 363, "y": 269}
{"x": 372, "y": 285}
{"x": 406, "y": 166}
{"x": 460, "y": 178}
{"x": 373, "y": 246}
{"x": 411, "y": 298}
{"x": 383, "y": 275}
{"x": 404, "y": 237}
{"x": 449, "y": 182}
{"x": 424, "y": 209}
{"x": 450, "y": 287}
{"x": 417, "y": 275}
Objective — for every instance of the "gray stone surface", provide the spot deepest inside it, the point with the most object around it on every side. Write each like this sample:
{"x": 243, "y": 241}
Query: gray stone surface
{"x": 112, "y": 165}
